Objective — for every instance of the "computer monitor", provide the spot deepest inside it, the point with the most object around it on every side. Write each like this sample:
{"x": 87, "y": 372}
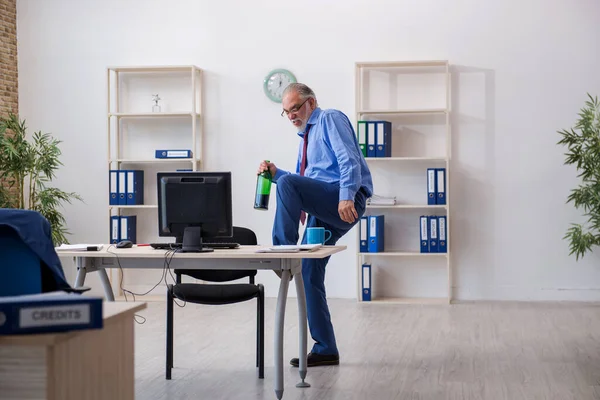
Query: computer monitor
{"x": 193, "y": 206}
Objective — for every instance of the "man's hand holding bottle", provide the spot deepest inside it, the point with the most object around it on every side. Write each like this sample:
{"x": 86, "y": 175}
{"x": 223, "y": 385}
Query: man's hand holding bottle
{"x": 267, "y": 166}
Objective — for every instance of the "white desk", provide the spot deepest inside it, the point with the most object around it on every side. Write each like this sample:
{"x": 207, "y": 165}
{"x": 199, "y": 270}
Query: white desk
{"x": 285, "y": 265}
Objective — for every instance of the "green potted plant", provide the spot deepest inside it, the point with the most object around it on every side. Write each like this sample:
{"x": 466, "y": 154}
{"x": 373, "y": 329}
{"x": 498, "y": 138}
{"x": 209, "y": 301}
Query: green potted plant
{"x": 583, "y": 145}
{"x": 26, "y": 168}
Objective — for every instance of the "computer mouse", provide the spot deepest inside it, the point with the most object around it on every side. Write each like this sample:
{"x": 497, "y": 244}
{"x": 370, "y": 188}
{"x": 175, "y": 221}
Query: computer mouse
{"x": 124, "y": 244}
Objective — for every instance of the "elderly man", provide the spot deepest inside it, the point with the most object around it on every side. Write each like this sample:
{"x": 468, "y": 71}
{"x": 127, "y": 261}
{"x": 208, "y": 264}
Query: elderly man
{"x": 331, "y": 184}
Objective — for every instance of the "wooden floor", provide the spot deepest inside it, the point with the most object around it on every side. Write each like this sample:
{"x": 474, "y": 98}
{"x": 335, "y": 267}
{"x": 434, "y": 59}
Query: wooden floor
{"x": 463, "y": 351}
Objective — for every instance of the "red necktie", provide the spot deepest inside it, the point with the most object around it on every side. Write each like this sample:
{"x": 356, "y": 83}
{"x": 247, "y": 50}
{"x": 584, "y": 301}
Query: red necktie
{"x": 303, "y": 167}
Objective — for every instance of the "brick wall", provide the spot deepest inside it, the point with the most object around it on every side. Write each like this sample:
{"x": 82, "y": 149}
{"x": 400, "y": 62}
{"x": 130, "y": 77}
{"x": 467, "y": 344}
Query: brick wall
{"x": 9, "y": 96}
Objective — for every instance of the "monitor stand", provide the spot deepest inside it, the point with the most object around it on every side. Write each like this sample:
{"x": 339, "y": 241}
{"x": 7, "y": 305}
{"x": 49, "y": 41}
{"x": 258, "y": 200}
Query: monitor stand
{"x": 192, "y": 241}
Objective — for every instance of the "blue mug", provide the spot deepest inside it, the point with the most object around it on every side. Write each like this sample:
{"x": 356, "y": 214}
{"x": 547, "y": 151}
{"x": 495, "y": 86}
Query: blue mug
{"x": 316, "y": 235}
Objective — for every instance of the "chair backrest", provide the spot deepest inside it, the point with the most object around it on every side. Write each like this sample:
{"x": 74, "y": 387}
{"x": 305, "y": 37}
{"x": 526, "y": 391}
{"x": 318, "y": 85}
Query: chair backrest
{"x": 241, "y": 235}
{"x": 244, "y": 236}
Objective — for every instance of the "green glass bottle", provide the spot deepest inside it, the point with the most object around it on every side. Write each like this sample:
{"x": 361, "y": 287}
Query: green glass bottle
{"x": 263, "y": 190}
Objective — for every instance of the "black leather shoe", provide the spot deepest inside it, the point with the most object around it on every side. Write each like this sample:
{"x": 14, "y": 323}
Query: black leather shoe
{"x": 314, "y": 360}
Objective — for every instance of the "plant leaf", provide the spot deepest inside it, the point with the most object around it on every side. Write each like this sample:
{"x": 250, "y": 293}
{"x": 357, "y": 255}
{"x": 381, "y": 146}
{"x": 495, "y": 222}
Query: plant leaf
{"x": 583, "y": 150}
{"x": 26, "y": 166}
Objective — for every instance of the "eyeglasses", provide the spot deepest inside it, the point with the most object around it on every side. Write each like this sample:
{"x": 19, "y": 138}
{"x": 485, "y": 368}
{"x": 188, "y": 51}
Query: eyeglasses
{"x": 294, "y": 109}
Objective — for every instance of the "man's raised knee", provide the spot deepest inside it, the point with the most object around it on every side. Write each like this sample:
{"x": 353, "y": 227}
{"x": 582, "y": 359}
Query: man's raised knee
{"x": 286, "y": 183}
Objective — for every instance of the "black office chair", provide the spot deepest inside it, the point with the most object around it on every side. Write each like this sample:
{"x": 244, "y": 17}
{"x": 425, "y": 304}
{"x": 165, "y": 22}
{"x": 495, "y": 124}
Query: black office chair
{"x": 216, "y": 294}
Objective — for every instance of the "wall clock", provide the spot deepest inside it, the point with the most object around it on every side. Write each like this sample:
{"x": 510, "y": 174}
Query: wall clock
{"x": 275, "y": 82}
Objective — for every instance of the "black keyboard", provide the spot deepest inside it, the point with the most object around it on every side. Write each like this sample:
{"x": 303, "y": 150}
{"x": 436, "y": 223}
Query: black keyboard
{"x": 176, "y": 246}
{"x": 165, "y": 246}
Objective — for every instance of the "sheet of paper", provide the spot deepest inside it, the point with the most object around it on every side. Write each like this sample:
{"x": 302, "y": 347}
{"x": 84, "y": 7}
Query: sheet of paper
{"x": 80, "y": 246}
{"x": 290, "y": 248}
{"x": 278, "y": 250}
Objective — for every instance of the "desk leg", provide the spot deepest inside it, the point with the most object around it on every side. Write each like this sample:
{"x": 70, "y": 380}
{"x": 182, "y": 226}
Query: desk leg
{"x": 85, "y": 264}
{"x": 302, "y": 328}
{"x": 279, "y": 318}
{"x": 108, "y": 292}
{"x": 81, "y": 272}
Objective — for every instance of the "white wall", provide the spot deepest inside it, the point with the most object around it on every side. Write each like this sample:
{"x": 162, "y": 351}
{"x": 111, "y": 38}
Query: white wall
{"x": 521, "y": 72}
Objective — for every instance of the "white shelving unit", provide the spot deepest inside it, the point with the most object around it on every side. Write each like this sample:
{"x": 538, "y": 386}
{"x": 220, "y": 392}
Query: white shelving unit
{"x": 135, "y": 131}
{"x": 415, "y": 97}
{"x": 129, "y": 98}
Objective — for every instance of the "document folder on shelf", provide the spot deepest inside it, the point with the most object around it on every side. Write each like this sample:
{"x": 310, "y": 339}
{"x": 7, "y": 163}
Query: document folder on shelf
{"x": 135, "y": 187}
{"x": 173, "y": 154}
{"x": 376, "y": 233}
{"x": 424, "y": 234}
{"x": 431, "y": 187}
{"x": 366, "y": 282}
{"x": 371, "y": 151}
{"x": 128, "y": 228}
{"x": 362, "y": 136}
{"x": 115, "y": 229}
{"x": 441, "y": 185}
{"x": 113, "y": 183}
{"x": 122, "y": 180}
{"x": 443, "y": 240}
{"x": 433, "y": 234}
{"x": 364, "y": 235}
{"x": 383, "y": 138}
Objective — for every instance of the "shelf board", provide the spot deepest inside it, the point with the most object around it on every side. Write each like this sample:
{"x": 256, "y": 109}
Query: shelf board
{"x": 136, "y": 206}
{"x": 153, "y": 114}
{"x": 409, "y": 300}
{"x": 401, "y": 112}
{"x": 406, "y": 158}
{"x": 152, "y": 160}
{"x": 409, "y": 206}
{"x": 403, "y": 254}
{"x": 426, "y": 63}
{"x": 157, "y": 68}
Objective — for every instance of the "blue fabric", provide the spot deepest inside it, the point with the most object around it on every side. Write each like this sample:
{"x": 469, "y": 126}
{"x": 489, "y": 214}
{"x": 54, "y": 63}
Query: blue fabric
{"x": 35, "y": 232}
{"x": 23, "y": 275}
{"x": 333, "y": 154}
{"x": 320, "y": 201}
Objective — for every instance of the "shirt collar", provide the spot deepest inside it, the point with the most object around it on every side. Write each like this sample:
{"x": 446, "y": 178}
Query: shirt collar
{"x": 312, "y": 120}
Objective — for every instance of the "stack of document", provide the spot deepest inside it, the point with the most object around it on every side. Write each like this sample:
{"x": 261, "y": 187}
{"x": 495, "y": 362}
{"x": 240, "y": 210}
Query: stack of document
{"x": 291, "y": 248}
{"x": 377, "y": 200}
{"x": 79, "y": 247}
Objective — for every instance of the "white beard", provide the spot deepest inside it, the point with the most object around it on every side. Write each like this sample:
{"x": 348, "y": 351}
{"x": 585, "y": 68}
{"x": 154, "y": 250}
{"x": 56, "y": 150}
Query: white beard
{"x": 302, "y": 127}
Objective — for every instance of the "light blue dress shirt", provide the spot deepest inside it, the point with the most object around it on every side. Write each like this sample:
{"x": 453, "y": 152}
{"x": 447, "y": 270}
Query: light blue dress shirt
{"x": 333, "y": 154}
